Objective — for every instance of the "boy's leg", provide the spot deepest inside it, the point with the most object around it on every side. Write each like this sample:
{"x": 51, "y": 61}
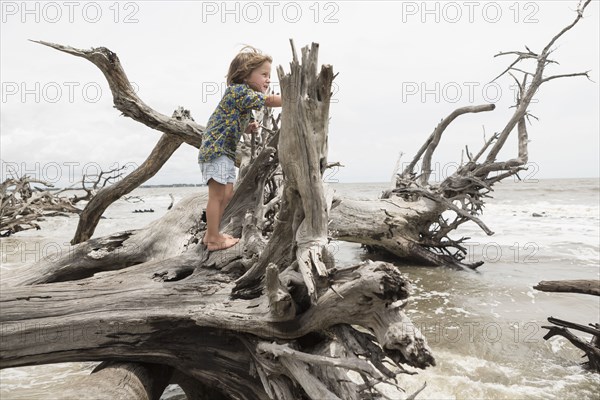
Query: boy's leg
{"x": 228, "y": 194}
{"x": 226, "y": 199}
{"x": 216, "y": 192}
{"x": 216, "y": 196}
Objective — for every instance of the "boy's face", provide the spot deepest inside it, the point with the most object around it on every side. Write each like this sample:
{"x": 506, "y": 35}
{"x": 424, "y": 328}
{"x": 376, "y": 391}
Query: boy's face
{"x": 260, "y": 78}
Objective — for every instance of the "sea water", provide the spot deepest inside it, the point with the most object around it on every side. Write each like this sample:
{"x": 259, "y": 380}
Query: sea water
{"x": 485, "y": 328}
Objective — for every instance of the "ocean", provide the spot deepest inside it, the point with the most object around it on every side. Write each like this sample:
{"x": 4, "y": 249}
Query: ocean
{"x": 485, "y": 328}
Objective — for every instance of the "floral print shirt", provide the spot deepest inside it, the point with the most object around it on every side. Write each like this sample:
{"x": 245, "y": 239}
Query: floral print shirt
{"x": 228, "y": 121}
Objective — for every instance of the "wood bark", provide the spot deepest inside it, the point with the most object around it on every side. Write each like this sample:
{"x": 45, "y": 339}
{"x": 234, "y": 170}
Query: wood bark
{"x": 119, "y": 380}
{"x": 178, "y": 312}
{"x": 127, "y": 101}
{"x": 304, "y": 123}
{"x": 574, "y": 286}
{"x": 162, "y": 239}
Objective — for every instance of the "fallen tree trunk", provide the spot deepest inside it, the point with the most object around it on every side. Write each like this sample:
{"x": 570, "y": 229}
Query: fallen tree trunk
{"x": 463, "y": 193}
{"x": 392, "y": 225}
{"x": 179, "y": 313}
{"x": 119, "y": 380}
{"x": 575, "y": 286}
{"x": 162, "y": 239}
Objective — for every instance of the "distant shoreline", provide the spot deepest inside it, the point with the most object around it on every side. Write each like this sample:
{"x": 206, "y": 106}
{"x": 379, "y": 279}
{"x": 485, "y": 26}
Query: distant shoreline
{"x": 174, "y": 185}
{"x": 178, "y": 185}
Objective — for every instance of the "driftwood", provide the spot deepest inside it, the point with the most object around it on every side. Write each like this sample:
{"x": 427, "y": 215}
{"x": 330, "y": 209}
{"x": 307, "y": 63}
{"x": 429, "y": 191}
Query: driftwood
{"x": 22, "y": 207}
{"x": 89, "y": 218}
{"x": 274, "y": 316}
{"x": 463, "y": 192}
{"x": 559, "y": 327}
{"x": 91, "y": 184}
{"x": 176, "y": 130}
{"x": 120, "y": 380}
{"x": 576, "y": 286}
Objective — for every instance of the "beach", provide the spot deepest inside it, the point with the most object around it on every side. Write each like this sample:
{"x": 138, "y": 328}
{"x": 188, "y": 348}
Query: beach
{"x": 484, "y": 328}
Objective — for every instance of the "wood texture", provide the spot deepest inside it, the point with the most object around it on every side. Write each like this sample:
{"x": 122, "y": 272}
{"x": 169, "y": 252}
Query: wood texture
{"x": 591, "y": 286}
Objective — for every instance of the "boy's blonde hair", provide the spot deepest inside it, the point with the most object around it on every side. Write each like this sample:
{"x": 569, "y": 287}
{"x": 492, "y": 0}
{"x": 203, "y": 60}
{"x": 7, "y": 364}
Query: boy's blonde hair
{"x": 247, "y": 60}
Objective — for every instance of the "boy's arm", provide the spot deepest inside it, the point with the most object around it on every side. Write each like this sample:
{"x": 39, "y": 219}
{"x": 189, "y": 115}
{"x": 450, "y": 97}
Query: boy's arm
{"x": 273, "y": 100}
{"x": 252, "y": 126}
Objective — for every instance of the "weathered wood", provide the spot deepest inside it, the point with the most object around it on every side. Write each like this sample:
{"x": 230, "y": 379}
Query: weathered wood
{"x": 22, "y": 207}
{"x": 166, "y": 300}
{"x": 591, "y": 286}
{"x": 361, "y": 294}
{"x": 588, "y": 329}
{"x": 160, "y": 240}
{"x": 435, "y": 137}
{"x": 391, "y": 224}
{"x": 304, "y": 128}
{"x": 89, "y": 218}
{"x": 119, "y": 381}
{"x": 464, "y": 191}
{"x": 42, "y": 323}
{"x": 591, "y": 350}
{"x": 125, "y": 98}
{"x": 280, "y": 301}
{"x": 559, "y": 327}
{"x": 196, "y": 390}
{"x": 127, "y": 101}
{"x": 351, "y": 364}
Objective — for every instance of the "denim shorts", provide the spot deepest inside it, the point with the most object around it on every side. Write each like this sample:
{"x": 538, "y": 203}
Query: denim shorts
{"x": 221, "y": 169}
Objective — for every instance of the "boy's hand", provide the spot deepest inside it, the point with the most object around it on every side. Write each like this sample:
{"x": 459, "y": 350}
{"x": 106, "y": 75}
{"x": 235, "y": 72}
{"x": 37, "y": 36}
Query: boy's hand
{"x": 273, "y": 100}
{"x": 253, "y": 127}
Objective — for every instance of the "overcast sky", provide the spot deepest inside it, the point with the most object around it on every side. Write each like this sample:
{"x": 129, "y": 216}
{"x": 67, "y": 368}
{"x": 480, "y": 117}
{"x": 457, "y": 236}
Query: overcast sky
{"x": 402, "y": 67}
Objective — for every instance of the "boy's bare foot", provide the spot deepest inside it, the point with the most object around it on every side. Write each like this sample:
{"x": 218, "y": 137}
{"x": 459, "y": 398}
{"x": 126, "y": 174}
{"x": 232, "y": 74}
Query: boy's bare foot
{"x": 221, "y": 243}
{"x": 204, "y": 241}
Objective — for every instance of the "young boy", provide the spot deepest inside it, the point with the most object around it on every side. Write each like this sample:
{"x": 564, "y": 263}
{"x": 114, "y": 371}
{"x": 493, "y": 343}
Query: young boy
{"x": 248, "y": 80}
